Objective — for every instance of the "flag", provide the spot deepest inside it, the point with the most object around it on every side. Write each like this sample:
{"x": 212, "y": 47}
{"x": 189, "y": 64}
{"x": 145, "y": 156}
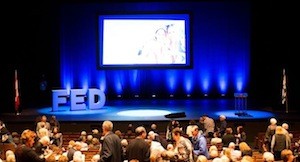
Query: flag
{"x": 17, "y": 94}
{"x": 284, "y": 89}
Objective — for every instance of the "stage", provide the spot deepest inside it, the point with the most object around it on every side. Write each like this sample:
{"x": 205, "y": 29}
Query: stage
{"x": 148, "y": 110}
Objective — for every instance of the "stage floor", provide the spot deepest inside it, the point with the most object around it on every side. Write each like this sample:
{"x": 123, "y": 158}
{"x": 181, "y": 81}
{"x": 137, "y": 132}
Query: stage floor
{"x": 146, "y": 110}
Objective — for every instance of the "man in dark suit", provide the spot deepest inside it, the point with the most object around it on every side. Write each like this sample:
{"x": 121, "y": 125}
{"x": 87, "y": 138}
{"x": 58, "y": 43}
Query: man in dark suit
{"x": 111, "y": 145}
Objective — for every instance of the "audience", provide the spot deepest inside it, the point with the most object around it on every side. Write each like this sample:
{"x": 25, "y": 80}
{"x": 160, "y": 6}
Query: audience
{"x": 41, "y": 147}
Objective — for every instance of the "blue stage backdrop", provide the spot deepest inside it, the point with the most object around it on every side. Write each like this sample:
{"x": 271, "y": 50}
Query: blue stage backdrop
{"x": 220, "y": 48}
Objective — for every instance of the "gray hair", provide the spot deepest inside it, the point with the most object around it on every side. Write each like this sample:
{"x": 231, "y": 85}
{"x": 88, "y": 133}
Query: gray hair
{"x": 139, "y": 130}
{"x": 108, "y": 125}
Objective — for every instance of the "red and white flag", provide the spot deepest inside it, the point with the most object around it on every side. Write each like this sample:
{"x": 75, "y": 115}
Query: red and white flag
{"x": 284, "y": 89}
{"x": 17, "y": 94}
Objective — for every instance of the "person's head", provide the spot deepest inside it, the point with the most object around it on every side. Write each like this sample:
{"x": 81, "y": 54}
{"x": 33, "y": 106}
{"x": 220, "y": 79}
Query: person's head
{"x": 83, "y": 133}
{"x": 118, "y": 133}
{"x": 141, "y": 132}
{"x": 287, "y": 155}
{"x": 77, "y": 146}
{"x": 231, "y": 145}
{"x": 107, "y": 126}
{"x": 243, "y": 146}
{"x": 95, "y": 131}
{"x": 63, "y": 158}
{"x": 43, "y": 132}
{"x": 11, "y": 158}
{"x": 228, "y": 130}
{"x": 176, "y": 134}
{"x": 151, "y": 135}
{"x": 124, "y": 142}
{"x": 170, "y": 147}
{"x": 192, "y": 122}
{"x": 222, "y": 117}
{"x": 279, "y": 130}
{"x": 9, "y": 152}
{"x": 285, "y": 126}
{"x": 247, "y": 158}
{"x": 201, "y": 119}
{"x": 227, "y": 152}
{"x": 77, "y": 157}
{"x": 273, "y": 121}
{"x": 195, "y": 130}
{"x": 45, "y": 141}
{"x": 201, "y": 158}
{"x": 44, "y": 118}
{"x": 213, "y": 154}
{"x": 95, "y": 141}
{"x": 55, "y": 129}
{"x": 204, "y": 116}
{"x": 236, "y": 155}
{"x": 95, "y": 158}
{"x": 268, "y": 157}
{"x": 89, "y": 137}
{"x": 213, "y": 147}
{"x": 153, "y": 126}
{"x": 240, "y": 129}
{"x": 71, "y": 144}
{"x": 28, "y": 137}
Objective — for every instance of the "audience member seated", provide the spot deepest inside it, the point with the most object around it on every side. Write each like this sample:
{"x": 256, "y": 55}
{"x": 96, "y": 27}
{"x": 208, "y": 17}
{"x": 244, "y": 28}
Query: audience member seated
{"x": 96, "y": 134}
{"x": 73, "y": 146}
{"x": 43, "y": 132}
{"x": 216, "y": 139}
{"x": 268, "y": 157}
{"x": 119, "y": 134}
{"x": 25, "y": 152}
{"x": 201, "y": 158}
{"x": 188, "y": 131}
{"x": 130, "y": 131}
{"x": 95, "y": 145}
{"x": 5, "y": 135}
{"x": 287, "y": 155}
{"x": 247, "y": 158}
{"x": 245, "y": 149}
{"x": 78, "y": 157}
{"x": 63, "y": 158}
{"x": 41, "y": 147}
{"x": 10, "y": 156}
{"x": 95, "y": 158}
{"x": 236, "y": 155}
